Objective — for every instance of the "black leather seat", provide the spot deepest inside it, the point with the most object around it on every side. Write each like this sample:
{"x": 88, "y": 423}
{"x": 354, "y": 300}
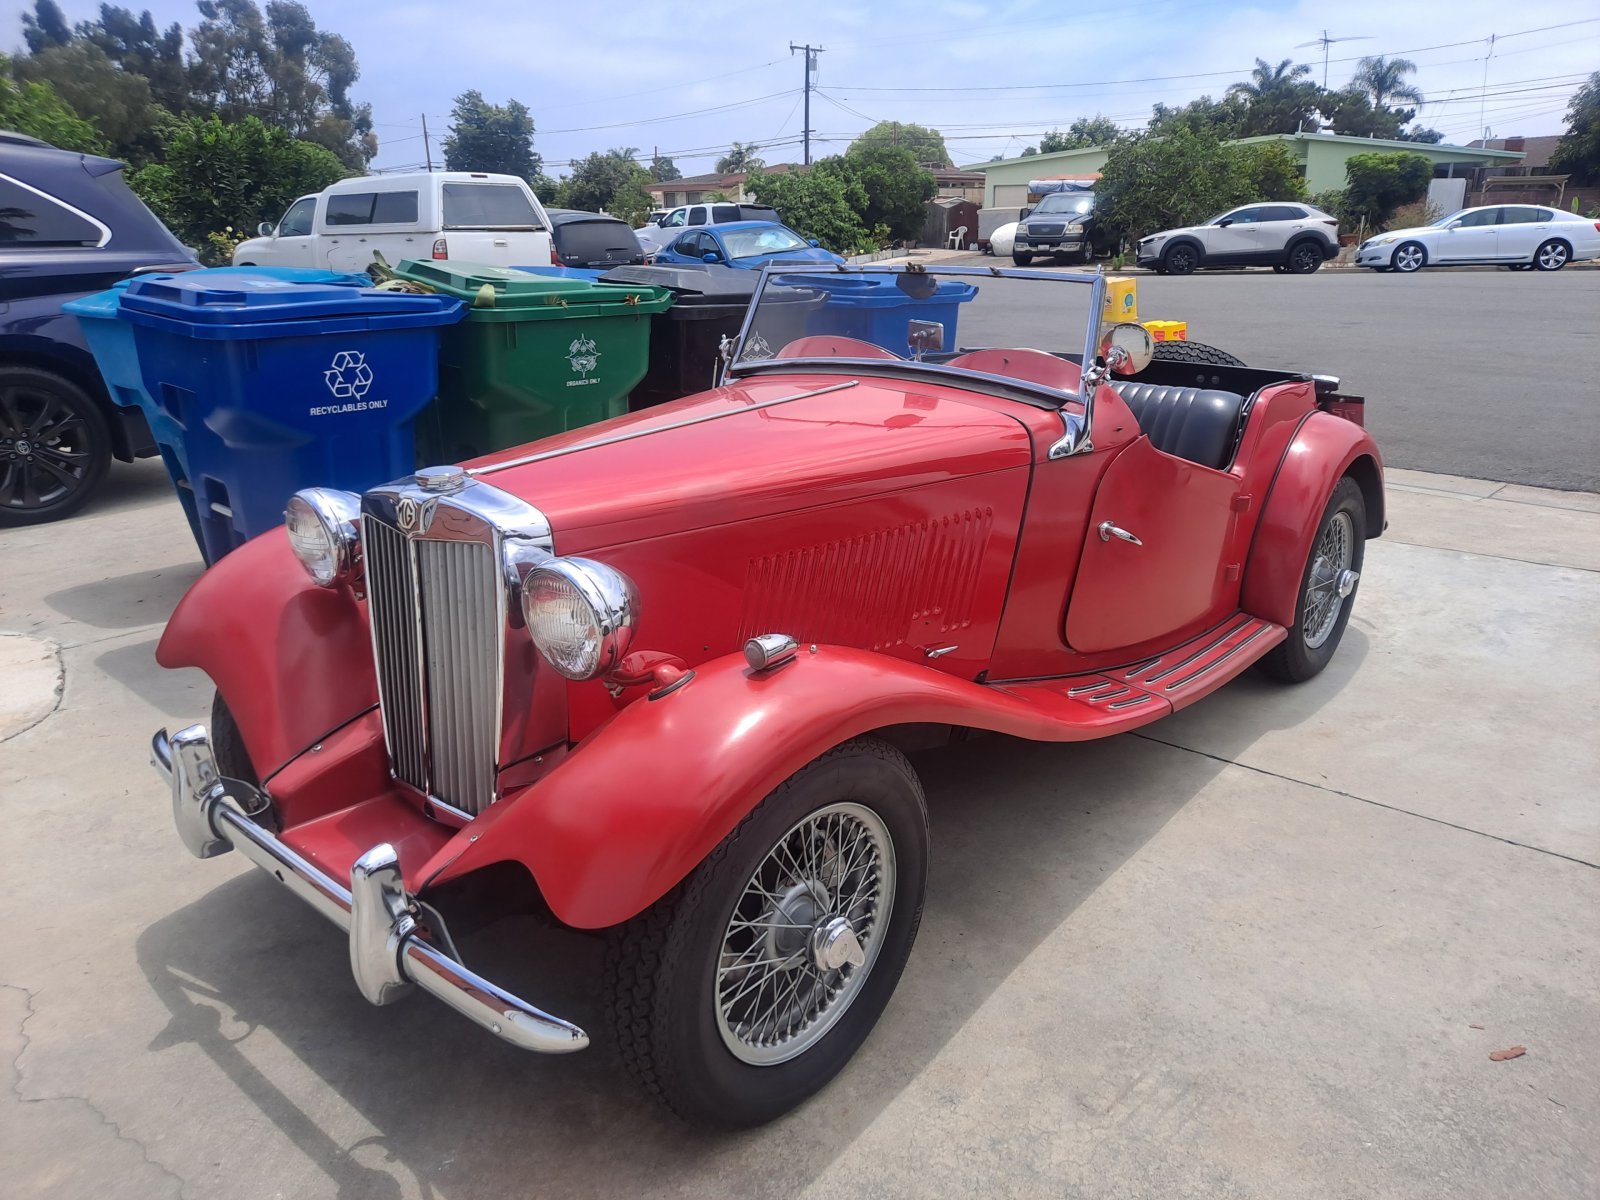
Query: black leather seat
{"x": 1199, "y": 424}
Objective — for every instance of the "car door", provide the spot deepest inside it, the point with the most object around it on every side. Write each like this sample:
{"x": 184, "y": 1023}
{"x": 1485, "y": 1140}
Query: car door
{"x": 1522, "y": 229}
{"x": 1153, "y": 559}
{"x": 1234, "y": 237}
{"x": 1473, "y": 237}
{"x": 292, "y": 244}
{"x": 1279, "y": 223}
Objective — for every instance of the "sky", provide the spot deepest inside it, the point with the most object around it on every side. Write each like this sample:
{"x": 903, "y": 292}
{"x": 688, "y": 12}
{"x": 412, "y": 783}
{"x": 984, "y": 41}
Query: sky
{"x": 993, "y": 77}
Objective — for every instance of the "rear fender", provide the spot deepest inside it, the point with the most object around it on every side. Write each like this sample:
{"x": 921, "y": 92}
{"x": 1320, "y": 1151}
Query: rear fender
{"x": 1324, "y": 450}
{"x": 292, "y": 660}
{"x": 646, "y": 797}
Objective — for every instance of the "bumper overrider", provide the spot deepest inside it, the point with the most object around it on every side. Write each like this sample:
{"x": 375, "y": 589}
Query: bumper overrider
{"x": 388, "y": 952}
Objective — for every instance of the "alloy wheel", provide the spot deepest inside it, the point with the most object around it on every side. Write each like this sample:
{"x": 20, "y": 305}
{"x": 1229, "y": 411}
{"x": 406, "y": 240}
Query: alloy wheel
{"x": 804, "y": 934}
{"x": 44, "y": 449}
{"x": 1409, "y": 257}
{"x": 1552, "y": 256}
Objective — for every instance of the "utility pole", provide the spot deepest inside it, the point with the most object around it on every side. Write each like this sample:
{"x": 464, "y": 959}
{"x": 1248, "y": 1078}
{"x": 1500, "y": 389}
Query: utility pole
{"x": 1483, "y": 94}
{"x": 811, "y": 71}
{"x": 427, "y": 147}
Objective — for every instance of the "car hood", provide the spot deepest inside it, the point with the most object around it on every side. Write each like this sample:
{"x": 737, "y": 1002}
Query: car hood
{"x": 248, "y": 247}
{"x": 825, "y": 447}
{"x": 1413, "y": 232}
{"x": 1166, "y": 233}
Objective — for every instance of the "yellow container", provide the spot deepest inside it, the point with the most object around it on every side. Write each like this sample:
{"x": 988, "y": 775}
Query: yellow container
{"x": 1122, "y": 299}
{"x": 1168, "y": 331}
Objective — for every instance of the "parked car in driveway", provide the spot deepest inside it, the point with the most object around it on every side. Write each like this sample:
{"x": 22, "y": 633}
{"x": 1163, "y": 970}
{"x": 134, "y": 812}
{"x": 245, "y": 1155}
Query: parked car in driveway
{"x": 468, "y": 215}
{"x": 1063, "y": 225}
{"x": 687, "y": 216}
{"x": 591, "y": 240}
{"x": 1522, "y": 236}
{"x": 747, "y": 244}
{"x": 69, "y": 227}
{"x": 1291, "y": 237}
{"x": 662, "y": 673}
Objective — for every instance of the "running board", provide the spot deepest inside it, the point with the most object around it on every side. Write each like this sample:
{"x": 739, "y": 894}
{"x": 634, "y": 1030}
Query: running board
{"x": 1127, "y": 697}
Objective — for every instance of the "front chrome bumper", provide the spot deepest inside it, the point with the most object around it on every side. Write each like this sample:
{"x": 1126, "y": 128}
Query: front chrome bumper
{"x": 387, "y": 950}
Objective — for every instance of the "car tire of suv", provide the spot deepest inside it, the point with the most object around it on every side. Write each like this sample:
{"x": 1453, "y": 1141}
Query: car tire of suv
{"x": 1409, "y": 257}
{"x": 1021, "y": 260}
{"x": 1338, "y": 545}
{"x": 1304, "y": 258}
{"x": 55, "y": 446}
{"x": 674, "y": 972}
{"x": 1552, "y": 256}
{"x": 1181, "y": 259}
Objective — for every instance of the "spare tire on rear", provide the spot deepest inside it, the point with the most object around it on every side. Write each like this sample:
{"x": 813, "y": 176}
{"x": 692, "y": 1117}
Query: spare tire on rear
{"x": 1195, "y": 352}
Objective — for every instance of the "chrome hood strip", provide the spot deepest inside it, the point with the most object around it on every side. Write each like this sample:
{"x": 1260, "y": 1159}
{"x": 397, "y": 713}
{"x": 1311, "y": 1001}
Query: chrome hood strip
{"x": 631, "y": 434}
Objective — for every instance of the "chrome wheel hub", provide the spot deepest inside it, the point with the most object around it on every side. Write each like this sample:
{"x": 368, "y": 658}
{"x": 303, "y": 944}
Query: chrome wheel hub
{"x": 1331, "y": 580}
{"x": 804, "y": 934}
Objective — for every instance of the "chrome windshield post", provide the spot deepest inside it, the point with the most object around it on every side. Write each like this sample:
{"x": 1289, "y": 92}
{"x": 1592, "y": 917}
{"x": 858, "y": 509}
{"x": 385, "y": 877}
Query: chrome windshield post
{"x": 1076, "y": 434}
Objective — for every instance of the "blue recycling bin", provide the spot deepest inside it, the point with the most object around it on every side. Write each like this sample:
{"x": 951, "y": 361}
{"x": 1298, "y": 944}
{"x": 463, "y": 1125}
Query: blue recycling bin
{"x": 588, "y": 273}
{"x": 111, "y": 341}
{"x": 875, "y": 308}
{"x": 267, "y": 385}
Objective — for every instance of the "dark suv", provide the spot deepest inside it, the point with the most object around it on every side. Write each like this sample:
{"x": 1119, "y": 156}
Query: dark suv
{"x": 1061, "y": 225}
{"x": 69, "y": 226}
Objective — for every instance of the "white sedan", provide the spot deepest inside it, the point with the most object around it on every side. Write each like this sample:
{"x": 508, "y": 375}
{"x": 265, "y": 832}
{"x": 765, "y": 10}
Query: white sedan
{"x": 1522, "y": 236}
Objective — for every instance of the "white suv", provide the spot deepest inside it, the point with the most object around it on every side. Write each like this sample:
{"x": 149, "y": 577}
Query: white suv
{"x": 656, "y": 234}
{"x": 1287, "y": 237}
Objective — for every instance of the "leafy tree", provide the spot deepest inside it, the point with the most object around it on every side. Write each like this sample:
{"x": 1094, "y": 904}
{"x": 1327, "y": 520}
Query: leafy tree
{"x": 219, "y": 175}
{"x": 1351, "y": 112}
{"x": 1266, "y": 171}
{"x": 630, "y": 201}
{"x": 1431, "y": 136}
{"x": 663, "y": 169}
{"x": 116, "y": 102}
{"x": 282, "y": 69}
{"x": 136, "y": 45}
{"x": 1379, "y": 183}
{"x": 35, "y": 109}
{"x": 1029, "y": 151}
{"x": 45, "y": 26}
{"x": 491, "y": 137}
{"x": 1276, "y": 99}
{"x": 1384, "y": 81}
{"x": 1082, "y": 133}
{"x": 1578, "y": 152}
{"x": 741, "y": 157}
{"x": 597, "y": 180}
{"x": 926, "y": 144}
{"x": 1221, "y": 118}
{"x": 818, "y": 203}
{"x": 897, "y": 189}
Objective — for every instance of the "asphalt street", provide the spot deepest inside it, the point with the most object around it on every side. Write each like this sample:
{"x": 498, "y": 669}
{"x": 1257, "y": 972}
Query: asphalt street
{"x": 1486, "y": 374}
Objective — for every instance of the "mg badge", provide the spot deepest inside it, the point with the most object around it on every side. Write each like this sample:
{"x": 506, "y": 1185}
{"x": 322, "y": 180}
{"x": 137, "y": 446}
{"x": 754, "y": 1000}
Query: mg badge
{"x": 406, "y": 513}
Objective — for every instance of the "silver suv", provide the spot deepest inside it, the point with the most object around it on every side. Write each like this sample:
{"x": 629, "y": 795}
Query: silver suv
{"x": 1287, "y": 237}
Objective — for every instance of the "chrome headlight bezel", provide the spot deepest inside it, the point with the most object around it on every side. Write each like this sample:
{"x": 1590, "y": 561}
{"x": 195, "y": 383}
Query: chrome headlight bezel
{"x": 335, "y": 518}
{"x": 612, "y": 602}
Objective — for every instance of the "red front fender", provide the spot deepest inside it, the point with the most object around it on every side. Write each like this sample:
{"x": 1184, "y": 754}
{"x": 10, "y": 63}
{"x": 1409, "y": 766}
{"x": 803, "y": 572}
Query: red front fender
{"x": 649, "y": 794}
{"x": 292, "y": 660}
{"x": 1325, "y": 449}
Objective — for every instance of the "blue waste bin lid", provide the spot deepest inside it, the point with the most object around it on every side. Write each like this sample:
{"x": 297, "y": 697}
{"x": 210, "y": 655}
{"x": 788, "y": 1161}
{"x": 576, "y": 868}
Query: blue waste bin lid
{"x": 245, "y": 296}
{"x": 877, "y": 291}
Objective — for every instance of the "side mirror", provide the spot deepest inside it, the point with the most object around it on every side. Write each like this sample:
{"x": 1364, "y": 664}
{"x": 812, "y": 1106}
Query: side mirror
{"x": 1025, "y": 213}
{"x": 1454, "y": 225}
{"x": 711, "y": 256}
{"x": 266, "y": 229}
{"x": 924, "y": 337}
{"x": 1127, "y": 348}
{"x": 1225, "y": 222}
{"x": 812, "y": 242}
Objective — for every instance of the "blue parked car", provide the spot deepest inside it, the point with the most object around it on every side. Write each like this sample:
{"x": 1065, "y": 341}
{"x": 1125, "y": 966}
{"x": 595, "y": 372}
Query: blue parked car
{"x": 747, "y": 244}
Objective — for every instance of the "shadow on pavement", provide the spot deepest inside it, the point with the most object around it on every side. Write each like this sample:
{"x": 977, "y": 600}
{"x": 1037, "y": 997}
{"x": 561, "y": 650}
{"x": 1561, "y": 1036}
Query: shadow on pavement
{"x": 127, "y": 601}
{"x": 1023, "y": 834}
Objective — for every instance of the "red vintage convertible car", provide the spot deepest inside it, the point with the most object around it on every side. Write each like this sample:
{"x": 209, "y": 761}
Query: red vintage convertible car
{"x": 663, "y": 667}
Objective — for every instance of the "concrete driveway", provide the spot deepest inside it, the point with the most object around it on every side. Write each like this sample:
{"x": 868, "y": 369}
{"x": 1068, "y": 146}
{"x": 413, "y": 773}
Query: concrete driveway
{"x": 1263, "y": 949}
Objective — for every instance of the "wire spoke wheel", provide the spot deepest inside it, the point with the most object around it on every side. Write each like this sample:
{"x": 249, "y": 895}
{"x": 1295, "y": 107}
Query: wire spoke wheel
{"x": 804, "y": 934}
{"x": 1326, "y": 590}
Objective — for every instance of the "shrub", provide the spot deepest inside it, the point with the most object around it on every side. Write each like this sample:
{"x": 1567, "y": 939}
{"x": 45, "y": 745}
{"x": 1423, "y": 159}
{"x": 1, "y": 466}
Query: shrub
{"x": 1419, "y": 212}
{"x": 1380, "y": 183}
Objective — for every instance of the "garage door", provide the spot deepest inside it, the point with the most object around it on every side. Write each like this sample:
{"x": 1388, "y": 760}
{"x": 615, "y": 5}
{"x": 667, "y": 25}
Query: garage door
{"x": 1010, "y": 195}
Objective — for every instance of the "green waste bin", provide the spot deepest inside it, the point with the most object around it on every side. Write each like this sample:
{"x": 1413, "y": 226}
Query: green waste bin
{"x": 535, "y": 356}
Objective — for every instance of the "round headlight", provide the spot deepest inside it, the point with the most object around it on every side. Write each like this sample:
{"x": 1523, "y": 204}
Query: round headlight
{"x": 580, "y": 614}
{"x": 324, "y": 529}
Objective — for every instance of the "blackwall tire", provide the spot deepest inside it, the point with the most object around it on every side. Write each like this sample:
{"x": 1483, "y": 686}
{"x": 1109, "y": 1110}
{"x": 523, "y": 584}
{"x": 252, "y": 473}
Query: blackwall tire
{"x": 1182, "y": 259}
{"x": 684, "y": 1028}
{"x": 227, "y": 744}
{"x": 55, "y": 446}
{"x": 1194, "y": 352}
{"x": 1337, "y": 548}
{"x": 1304, "y": 258}
{"x": 1021, "y": 260}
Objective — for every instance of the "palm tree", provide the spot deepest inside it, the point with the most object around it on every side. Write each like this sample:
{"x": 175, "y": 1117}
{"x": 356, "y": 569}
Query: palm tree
{"x": 1267, "y": 81}
{"x": 1384, "y": 79}
{"x": 741, "y": 157}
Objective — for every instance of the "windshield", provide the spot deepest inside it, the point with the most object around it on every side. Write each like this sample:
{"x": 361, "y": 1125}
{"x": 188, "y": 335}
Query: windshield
{"x": 751, "y": 243}
{"x": 1066, "y": 202}
{"x": 1025, "y": 329}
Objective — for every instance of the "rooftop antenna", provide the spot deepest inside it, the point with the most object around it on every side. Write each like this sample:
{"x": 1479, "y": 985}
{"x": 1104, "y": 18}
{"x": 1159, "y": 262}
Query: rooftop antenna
{"x": 1325, "y": 41}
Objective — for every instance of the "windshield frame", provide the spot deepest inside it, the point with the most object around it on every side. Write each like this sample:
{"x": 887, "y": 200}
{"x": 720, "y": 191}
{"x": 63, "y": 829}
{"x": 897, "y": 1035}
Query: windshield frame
{"x": 1077, "y": 428}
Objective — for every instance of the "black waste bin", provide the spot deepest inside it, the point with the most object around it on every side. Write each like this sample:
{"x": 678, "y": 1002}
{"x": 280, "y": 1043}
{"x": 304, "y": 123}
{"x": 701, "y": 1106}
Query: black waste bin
{"x": 709, "y": 303}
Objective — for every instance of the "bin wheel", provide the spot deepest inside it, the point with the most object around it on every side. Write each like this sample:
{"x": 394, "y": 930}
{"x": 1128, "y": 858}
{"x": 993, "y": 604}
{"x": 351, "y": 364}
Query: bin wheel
{"x": 55, "y": 446}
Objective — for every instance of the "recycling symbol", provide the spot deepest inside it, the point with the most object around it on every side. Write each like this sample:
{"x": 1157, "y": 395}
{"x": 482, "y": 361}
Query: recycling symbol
{"x": 349, "y": 378}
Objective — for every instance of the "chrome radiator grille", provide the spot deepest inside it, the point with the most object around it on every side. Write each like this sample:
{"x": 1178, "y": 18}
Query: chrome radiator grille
{"x": 436, "y": 635}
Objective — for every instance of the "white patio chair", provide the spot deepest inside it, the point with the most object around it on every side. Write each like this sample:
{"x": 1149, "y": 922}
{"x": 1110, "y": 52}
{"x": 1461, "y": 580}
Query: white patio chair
{"x": 958, "y": 238}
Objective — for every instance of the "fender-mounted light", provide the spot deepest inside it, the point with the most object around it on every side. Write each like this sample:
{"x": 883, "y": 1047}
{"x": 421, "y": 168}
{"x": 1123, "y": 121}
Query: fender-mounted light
{"x": 580, "y": 614}
{"x": 325, "y": 530}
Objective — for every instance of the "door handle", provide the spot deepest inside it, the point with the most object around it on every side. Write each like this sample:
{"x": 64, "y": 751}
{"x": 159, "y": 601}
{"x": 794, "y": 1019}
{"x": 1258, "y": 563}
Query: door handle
{"x": 1109, "y": 531}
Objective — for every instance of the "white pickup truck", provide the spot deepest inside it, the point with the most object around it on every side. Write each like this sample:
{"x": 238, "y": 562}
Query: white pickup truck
{"x": 481, "y": 218}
